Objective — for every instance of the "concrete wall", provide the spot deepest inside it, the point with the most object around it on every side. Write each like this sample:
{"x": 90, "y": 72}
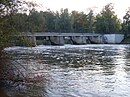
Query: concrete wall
{"x": 79, "y": 39}
{"x": 113, "y": 38}
{"x": 96, "y": 39}
{"x": 57, "y": 40}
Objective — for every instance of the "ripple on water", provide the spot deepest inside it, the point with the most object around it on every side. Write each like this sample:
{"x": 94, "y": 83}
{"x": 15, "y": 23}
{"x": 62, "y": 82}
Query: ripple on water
{"x": 71, "y": 71}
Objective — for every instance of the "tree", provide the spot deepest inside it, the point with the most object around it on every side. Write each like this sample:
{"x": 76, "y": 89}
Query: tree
{"x": 65, "y": 25}
{"x": 90, "y": 22}
{"x": 8, "y": 8}
{"x": 126, "y": 22}
{"x": 78, "y": 21}
{"x": 57, "y": 21}
{"x": 20, "y": 22}
{"x": 36, "y": 21}
{"x": 107, "y": 21}
{"x": 49, "y": 21}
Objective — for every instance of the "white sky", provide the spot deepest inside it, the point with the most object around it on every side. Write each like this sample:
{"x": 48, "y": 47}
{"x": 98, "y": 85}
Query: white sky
{"x": 120, "y": 6}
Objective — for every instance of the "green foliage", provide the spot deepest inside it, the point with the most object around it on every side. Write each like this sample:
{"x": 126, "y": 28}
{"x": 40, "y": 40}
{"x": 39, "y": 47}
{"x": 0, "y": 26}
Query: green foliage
{"x": 107, "y": 21}
{"x": 90, "y": 23}
{"x": 63, "y": 21}
{"x": 5, "y": 29}
{"x": 57, "y": 22}
{"x": 79, "y": 20}
{"x": 49, "y": 21}
{"x": 8, "y": 11}
{"x": 35, "y": 22}
{"x": 126, "y": 22}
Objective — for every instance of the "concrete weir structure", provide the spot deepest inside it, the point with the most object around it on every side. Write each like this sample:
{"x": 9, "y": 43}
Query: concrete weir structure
{"x": 64, "y": 38}
{"x": 113, "y": 38}
{"x": 52, "y": 38}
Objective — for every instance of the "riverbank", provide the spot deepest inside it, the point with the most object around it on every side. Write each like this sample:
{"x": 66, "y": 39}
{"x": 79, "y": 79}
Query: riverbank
{"x": 126, "y": 40}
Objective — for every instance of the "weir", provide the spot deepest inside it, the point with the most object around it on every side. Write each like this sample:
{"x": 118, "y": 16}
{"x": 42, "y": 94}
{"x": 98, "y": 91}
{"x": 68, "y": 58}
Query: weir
{"x": 53, "y": 38}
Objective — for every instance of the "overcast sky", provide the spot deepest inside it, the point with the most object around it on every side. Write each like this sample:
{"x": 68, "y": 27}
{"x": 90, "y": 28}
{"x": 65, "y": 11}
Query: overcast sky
{"x": 82, "y": 5}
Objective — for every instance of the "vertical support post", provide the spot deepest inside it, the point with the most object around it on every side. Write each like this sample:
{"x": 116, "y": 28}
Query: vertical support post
{"x": 34, "y": 40}
{"x": 99, "y": 38}
{"x": 81, "y": 42}
{"x": 59, "y": 40}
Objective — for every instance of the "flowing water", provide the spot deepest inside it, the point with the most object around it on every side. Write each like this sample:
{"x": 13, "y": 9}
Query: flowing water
{"x": 69, "y": 71}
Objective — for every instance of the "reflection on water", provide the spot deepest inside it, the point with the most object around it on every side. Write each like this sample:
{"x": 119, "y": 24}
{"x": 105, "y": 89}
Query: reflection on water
{"x": 69, "y": 71}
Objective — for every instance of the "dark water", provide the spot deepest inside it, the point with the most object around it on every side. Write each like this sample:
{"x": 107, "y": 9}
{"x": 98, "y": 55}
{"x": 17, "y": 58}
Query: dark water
{"x": 70, "y": 71}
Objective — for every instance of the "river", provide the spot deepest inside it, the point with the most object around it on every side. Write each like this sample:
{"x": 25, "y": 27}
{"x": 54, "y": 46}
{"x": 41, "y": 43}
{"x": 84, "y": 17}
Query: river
{"x": 69, "y": 71}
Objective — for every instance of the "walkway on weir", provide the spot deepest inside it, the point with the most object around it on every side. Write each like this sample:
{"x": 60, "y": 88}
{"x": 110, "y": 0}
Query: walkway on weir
{"x": 36, "y": 34}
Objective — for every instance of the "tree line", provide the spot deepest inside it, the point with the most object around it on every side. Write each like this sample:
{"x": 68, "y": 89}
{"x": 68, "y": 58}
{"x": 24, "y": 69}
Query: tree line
{"x": 48, "y": 21}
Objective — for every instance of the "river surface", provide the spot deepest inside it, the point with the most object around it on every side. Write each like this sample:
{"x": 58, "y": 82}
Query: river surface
{"x": 69, "y": 71}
